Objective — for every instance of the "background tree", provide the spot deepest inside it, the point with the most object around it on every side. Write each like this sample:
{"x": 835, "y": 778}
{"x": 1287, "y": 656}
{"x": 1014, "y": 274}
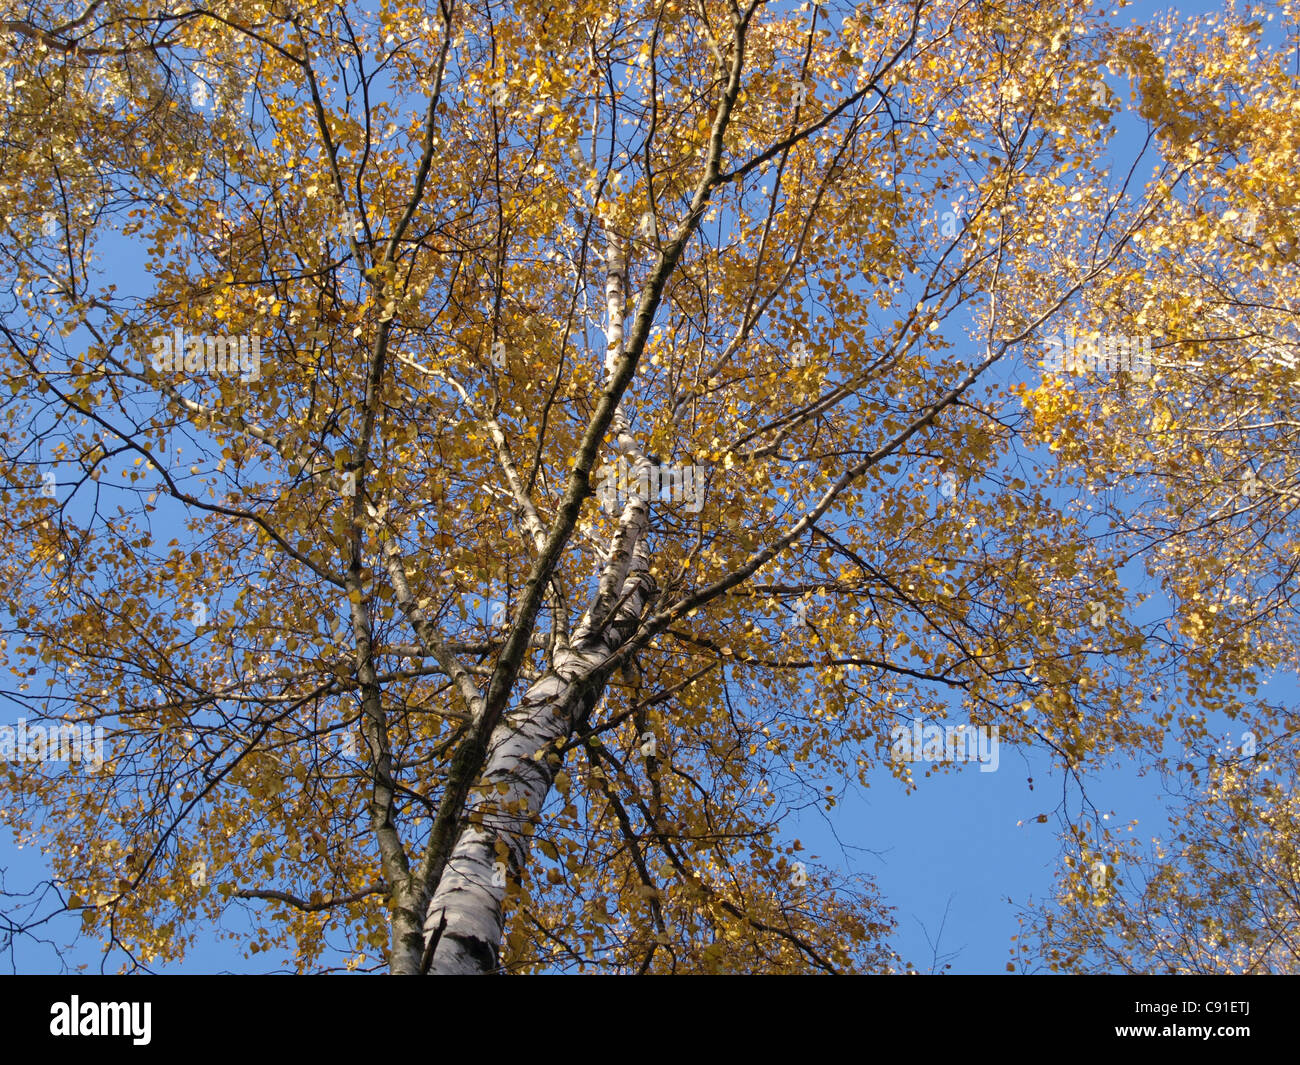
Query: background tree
{"x": 397, "y": 641}
{"x": 1215, "y": 451}
{"x": 1217, "y": 894}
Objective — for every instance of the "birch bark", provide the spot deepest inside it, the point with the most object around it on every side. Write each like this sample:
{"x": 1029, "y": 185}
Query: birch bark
{"x": 466, "y": 918}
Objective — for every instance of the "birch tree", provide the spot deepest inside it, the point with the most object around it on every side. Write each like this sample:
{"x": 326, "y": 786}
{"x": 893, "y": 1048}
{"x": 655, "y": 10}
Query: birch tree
{"x": 1212, "y": 889}
{"x": 636, "y": 415}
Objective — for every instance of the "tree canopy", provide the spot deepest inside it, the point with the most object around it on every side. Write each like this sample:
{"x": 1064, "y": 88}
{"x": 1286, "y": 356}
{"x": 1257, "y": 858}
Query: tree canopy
{"x": 487, "y": 468}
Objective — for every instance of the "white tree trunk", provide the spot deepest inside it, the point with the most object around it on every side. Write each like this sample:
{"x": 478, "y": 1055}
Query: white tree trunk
{"x": 465, "y": 915}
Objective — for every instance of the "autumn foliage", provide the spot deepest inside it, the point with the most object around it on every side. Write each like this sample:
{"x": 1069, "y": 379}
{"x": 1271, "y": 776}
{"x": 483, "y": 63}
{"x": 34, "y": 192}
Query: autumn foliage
{"x": 386, "y": 655}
